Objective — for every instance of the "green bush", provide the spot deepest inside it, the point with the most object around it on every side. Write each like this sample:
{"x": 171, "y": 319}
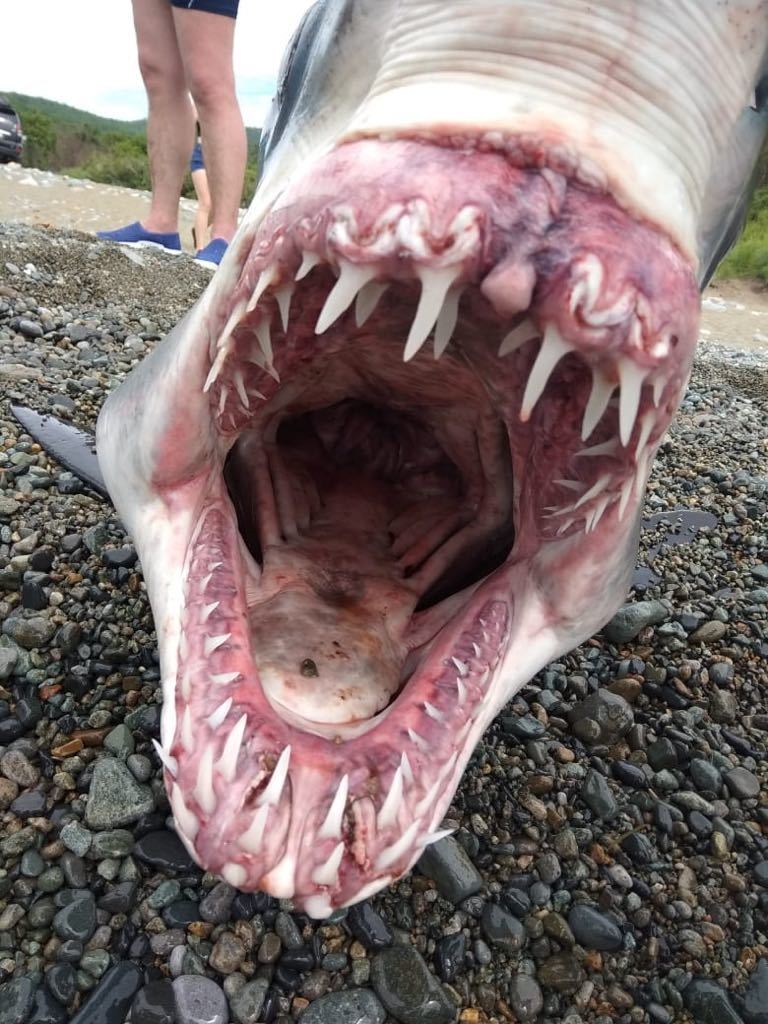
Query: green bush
{"x": 40, "y": 141}
{"x": 749, "y": 257}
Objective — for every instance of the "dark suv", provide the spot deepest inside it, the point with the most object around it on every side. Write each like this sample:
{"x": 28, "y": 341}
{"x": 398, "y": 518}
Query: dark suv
{"x": 11, "y": 139}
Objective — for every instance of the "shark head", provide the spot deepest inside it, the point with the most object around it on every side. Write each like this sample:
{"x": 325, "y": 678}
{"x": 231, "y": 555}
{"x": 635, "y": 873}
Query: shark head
{"x": 393, "y": 462}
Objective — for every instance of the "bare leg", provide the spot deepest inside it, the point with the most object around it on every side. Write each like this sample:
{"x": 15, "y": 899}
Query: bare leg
{"x": 205, "y": 42}
{"x": 203, "y": 215}
{"x": 170, "y": 126}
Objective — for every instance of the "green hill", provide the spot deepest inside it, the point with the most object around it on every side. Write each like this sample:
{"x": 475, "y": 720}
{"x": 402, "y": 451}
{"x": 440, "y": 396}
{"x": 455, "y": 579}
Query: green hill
{"x": 84, "y": 145}
{"x": 62, "y": 114}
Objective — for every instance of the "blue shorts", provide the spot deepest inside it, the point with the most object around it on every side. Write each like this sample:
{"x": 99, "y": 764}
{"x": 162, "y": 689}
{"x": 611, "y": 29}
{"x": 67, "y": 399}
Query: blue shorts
{"x": 196, "y": 160}
{"x": 225, "y": 7}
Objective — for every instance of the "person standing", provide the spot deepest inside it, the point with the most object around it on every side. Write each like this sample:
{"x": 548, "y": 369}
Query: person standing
{"x": 200, "y": 184}
{"x": 185, "y": 47}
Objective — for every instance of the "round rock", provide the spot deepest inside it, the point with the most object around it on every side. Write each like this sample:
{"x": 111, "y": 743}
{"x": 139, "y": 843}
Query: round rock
{"x": 407, "y": 988}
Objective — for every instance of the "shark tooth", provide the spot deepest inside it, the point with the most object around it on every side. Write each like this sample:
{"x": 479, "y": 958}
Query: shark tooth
{"x": 204, "y": 791}
{"x": 309, "y": 261}
{"x": 273, "y": 792}
{"x": 631, "y": 379}
{"x": 435, "y": 283}
{"x": 283, "y": 298}
{"x": 368, "y": 299}
{"x": 251, "y": 840}
{"x": 227, "y": 763}
{"x": 446, "y": 321}
{"x": 595, "y": 489}
{"x": 219, "y": 715}
{"x": 352, "y": 277}
{"x": 388, "y": 813}
{"x": 552, "y": 350}
{"x": 186, "y": 820}
{"x": 267, "y": 277}
{"x": 332, "y": 825}
{"x": 328, "y": 873}
{"x": 518, "y": 336}
{"x": 391, "y": 854}
{"x": 169, "y": 762}
{"x": 599, "y": 397}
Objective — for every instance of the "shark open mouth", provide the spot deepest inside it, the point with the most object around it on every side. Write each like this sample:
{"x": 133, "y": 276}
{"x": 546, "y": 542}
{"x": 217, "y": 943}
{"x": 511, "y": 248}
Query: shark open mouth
{"x": 433, "y": 403}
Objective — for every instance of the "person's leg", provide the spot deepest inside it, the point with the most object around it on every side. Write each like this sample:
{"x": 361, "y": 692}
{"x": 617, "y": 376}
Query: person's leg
{"x": 170, "y": 124}
{"x": 202, "y": 217}
{"x": 205, "y": 43}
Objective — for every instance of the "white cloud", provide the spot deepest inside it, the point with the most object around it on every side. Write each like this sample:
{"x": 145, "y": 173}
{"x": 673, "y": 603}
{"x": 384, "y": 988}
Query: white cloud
{"x": 83, "y": 52}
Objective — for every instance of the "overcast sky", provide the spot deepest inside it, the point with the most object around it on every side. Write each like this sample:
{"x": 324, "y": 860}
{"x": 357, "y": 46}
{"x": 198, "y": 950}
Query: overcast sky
{"x": 83, "y": 52}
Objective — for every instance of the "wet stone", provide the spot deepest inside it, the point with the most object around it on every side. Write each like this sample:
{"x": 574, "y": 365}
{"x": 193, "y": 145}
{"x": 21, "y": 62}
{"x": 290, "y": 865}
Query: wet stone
{"x": 120, "y": 741}
{"x": 562, "y": 973}
{"x": 369, "y": 927}
{"x": 756, "y": 995}
{"x": 115, "y": 843}
{"x": 227, "y": 954}
{"x": 216, "y": 905}
{"x": 709, "y": 1003}
{"x": 119, "y": 898}
{"x": 45, "y": 1009}
{"x": 704, "y": 775}
{"x": 613, "y": 715}
{"x": 32, "y": 864}
{"x": 15, "y": 1000}
{"x": 357, "y": 1006}
{"x": 76, "y": 838}
{"x": 549, "y": 868}
{"x": 639, "y": 848}
{"x": 288, "y": 930}
{"x": 630, "y": 774}
{"x": 449, "y": 955}
{"x": 75, "y": 874}
{"x": 154, "y": 1004}
{"x": 165, "y": 851}
{"x": 16, "y": 767}
{"x": 77, "y": 920}
{"x": 449, "y": 865}
{"x": 62, "y": 982}
{"x": 597, "y": 795}
{"x": 407, "y": 988}
{"x": 115, "y": 798}
{"x": 502, "y": 929}
{"x": 270, "y": 949}
{"x": 525, "y": 997}
{"x": 181, "y": 913}
{"x": 523, "y": 729}
{"x": 594, "y": 930}
{"x": 110, "y": 1000}
{"x": 517, "y": 901}
{"x": 29, "y": 805}
{"x": 742, "y": 784}
{"x": 723, "y": 706}
{"x": 632, "y": 619}
{"x": 662, "y": 754}
{"x": 248, "y": 1003}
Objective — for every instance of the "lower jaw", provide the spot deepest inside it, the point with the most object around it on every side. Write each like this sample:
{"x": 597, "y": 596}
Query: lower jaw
{"x": 398, "y": 770}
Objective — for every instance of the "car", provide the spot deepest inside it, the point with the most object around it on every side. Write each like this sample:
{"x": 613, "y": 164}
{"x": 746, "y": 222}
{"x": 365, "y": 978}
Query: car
{"x": 11, "y": 139}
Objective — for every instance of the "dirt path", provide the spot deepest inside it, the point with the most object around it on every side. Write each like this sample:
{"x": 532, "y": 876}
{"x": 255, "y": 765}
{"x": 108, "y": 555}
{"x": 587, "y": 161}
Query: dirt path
{"x": 43, "y": 198}
{"x": 735, "y": 313}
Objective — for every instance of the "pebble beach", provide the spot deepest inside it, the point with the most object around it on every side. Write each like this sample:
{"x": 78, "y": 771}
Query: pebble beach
{"x": 609, "y": 856}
